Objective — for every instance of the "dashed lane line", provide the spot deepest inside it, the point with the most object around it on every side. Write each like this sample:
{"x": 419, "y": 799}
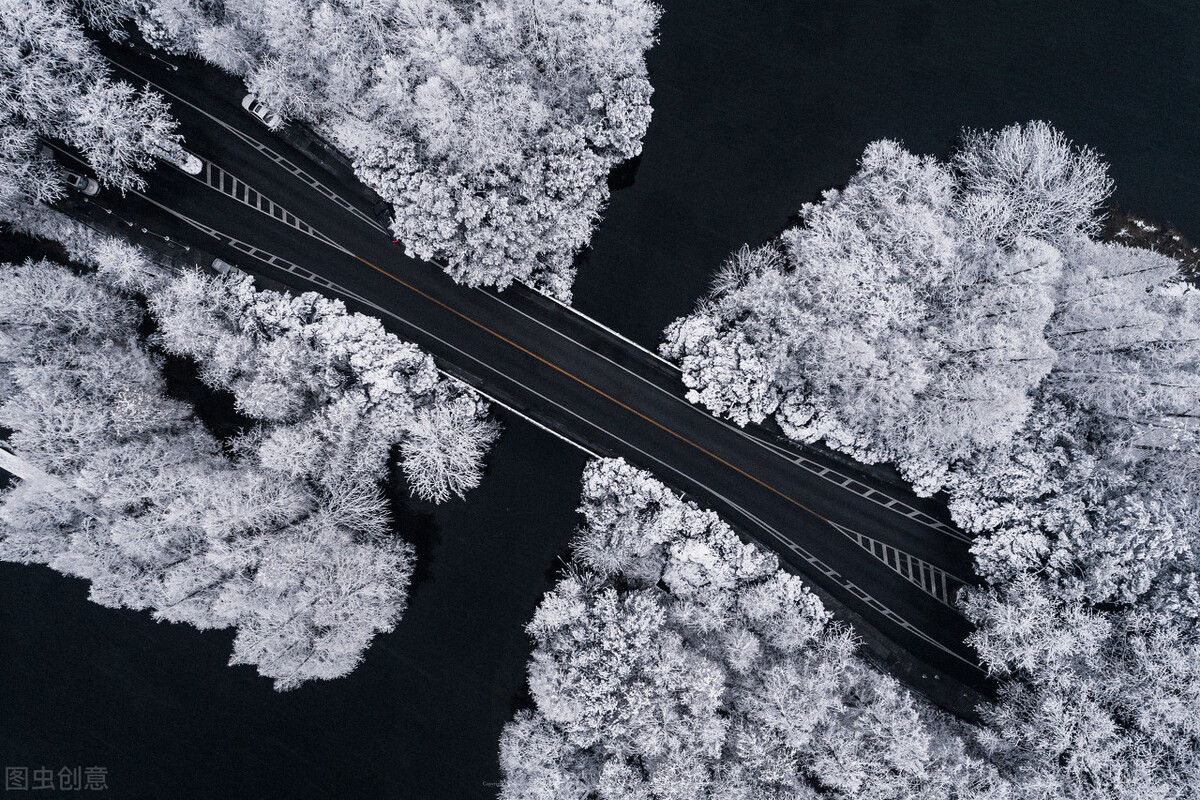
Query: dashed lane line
{"x": 850, "y": 586}
{"x": 283, "y": 162}
{"x": 929, "y": 578}
{"x": 922, "y": 574}
{"x": 216, "y": 178}
{"x": 874, "y": 495}
{"x": 262, "y": 149}
{"x": 919, "y": 517}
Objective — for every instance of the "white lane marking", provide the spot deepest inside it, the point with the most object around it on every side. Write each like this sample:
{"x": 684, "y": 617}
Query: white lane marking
{"x": 312, "y": 277}
{"x": 586, "y": 450}
{"x": 892, "y": 557}
{"x": 872, "y": 495}
{"x": 314, "y": 183}
{"x": 261, "y": 204}
{"x": 851, "y": 587}
{"x": 239, "y": 190}
{"x": 303, "y": 227}
{"x": 602, "y": 326}
{"x": 263, "y": 149}
{"x": 934, "y": 524}
{"x": 774, "y": 534}
{"x": 275, "y": 261}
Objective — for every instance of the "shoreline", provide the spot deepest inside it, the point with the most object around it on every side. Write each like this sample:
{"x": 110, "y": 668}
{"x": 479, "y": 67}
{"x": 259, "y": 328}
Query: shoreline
{"x": 1123, "y": 227}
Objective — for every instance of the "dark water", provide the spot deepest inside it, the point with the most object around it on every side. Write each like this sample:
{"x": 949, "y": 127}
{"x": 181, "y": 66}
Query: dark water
{"x": 759, "y": 105}
{"x": 418, "y": 720}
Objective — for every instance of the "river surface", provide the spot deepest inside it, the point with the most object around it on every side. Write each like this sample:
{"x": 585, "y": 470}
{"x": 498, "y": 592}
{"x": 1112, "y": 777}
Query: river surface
{"x": 759, "y": 106}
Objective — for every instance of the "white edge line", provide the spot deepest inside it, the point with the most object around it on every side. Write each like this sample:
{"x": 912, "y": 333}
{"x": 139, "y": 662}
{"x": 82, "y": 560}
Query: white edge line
{"x": 520, "y": 414}
{"x": 771, "y": 447}
{"x": 330, "y": 194}
{"x": 849, "y": 586}
{"x": 294, "y": 169}
{"x": 846, "y": 584}
{"x": 297, "y": 172}
{"x": 601, "y": 325}
{"x": 802, "y": 461}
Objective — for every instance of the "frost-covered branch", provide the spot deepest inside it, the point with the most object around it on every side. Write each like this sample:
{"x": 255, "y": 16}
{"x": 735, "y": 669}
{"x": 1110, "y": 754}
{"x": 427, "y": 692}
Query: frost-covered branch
{"x": 490, "y": 127}
{"x": 676, "y": 662}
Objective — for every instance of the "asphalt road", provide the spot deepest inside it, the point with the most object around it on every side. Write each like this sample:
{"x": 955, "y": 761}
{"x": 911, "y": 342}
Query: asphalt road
{"x": 891, "y": 558}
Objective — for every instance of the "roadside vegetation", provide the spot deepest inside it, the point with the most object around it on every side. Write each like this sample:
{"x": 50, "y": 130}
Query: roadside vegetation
{"x": 280, "y": 531}
{"x": 54, "y": 84}
{"x": 489, "y": 126}
{"x": 960, "y": 320}
{"x": 674, "y": 661}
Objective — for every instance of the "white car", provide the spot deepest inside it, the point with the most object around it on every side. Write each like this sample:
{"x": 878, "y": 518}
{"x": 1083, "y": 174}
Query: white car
{"x": 260, "y": 112}
{"x": 81, "y": 182}
{"x": 183, "y": 160}
{"x": 223, "y": 267}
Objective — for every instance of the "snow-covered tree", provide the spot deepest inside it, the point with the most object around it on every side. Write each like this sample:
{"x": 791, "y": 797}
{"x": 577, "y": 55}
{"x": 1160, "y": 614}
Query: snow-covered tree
{"x": 895, "y": 326}
{"x": 1030, "y": 181}
{"x": 1094, "y": 705}
{"x": 443, "y": 452}
{"x": 959, "y": 320}
{"x": 121, "y": 130}
{"x": 340, "y": 390}
{"x": 881, "y": 324}
{"x": 298, "y": 555}
{"x": 490, "y": 126}
{"x": 675, "y": 661}
{"x": 54, "y": 84}
{"x": 317, "y": 600}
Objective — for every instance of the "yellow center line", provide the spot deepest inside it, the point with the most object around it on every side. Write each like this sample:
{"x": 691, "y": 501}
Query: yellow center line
{"x": 600, "y": 392}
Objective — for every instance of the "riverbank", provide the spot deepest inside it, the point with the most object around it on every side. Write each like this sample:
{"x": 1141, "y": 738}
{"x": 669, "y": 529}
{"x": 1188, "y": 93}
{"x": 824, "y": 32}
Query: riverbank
{"x": 1122, "y": 227}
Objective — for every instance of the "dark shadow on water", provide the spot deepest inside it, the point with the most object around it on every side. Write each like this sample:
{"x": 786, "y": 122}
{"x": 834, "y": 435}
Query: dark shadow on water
{"x": 581, "y": 259}
{"x": 622, "y": 176}
{"x": 16, "y": 247}
{"x": 418, "y": 719}
{"x": 415, "y": 522}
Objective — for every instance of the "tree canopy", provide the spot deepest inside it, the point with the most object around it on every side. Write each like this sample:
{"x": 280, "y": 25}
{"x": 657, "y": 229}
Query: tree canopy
{"x": 675, "y": 661}
{"x": 490, "y": 127}
{"x": 281, "y": 531}
{"x": 54, "y": 84}
{"x": 958, "y": 319}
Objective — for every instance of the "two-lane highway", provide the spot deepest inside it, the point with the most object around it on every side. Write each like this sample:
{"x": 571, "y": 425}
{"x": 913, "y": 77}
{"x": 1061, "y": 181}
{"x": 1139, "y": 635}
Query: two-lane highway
{"x": 270, "y": 208}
